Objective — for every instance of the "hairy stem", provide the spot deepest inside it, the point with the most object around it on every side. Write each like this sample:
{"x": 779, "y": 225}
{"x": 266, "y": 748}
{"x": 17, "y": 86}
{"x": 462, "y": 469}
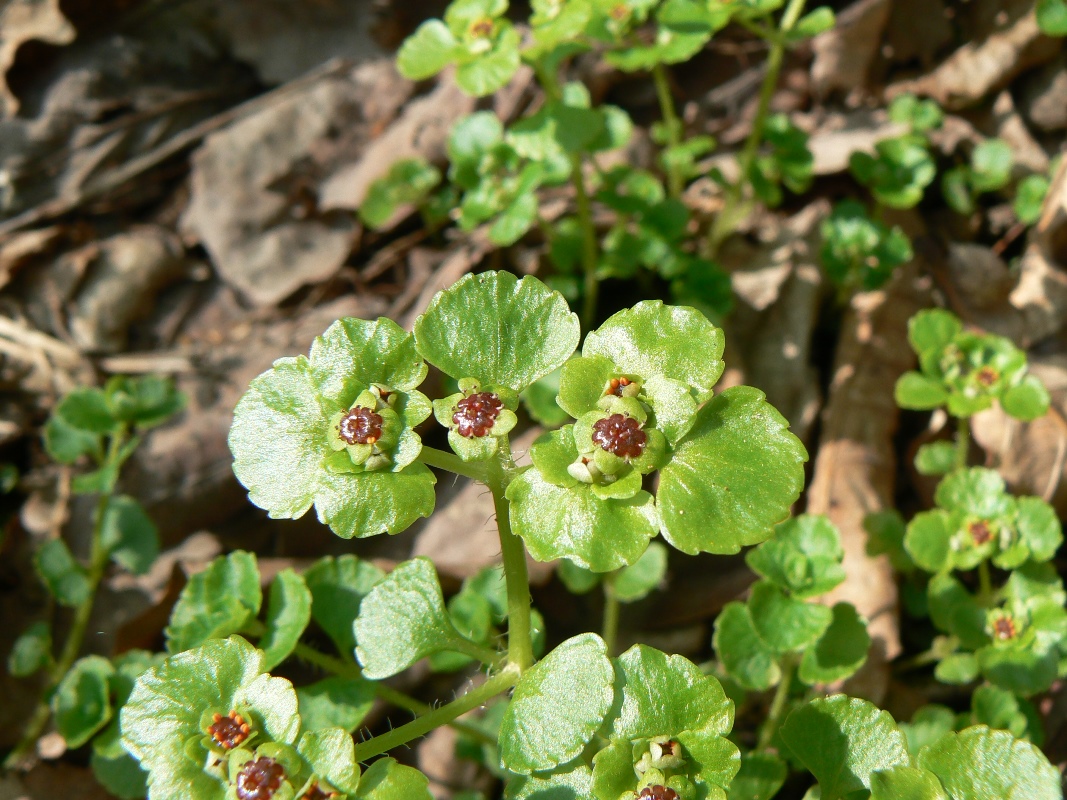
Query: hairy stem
{"x": 963, "y": 441}
{"x": 610, "y": 631}
{"x": 735, "y": 207}
{"x": 520, "y": 639}
{"x": 441, "y": 459}
{"x": 673, "y": 125}
{"x": 496, "y": 684}
{"x": 777, "y": 709}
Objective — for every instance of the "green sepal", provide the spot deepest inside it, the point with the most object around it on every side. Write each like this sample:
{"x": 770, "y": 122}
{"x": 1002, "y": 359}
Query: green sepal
{"x": 335, "y": 702}
{"x": 804, "y": 557}
{"x": 338, "y": 586}
{"x": 129, "y": 535}
{"x": 743, "y": 654}
{"x": 842, "y": 741}
{"x": 32, "y": 650}
{"x": 733, "y": 476}
{"x": 661, "y": 695}
{"x": 557, "y": 706}
{"x": 760, "y": 777}
{"x": 81, "y": 705}
{"x": 288, "y": 614}
{"x": 641, "y": 578}
{"x": 840, "y": 651}
{"x": 497, "y": 329}
{"x": 215, "y": 603}
{"x": 583, "y": 383}
{"x": 785, "y": 624}
{"x": 331, "y": 755}
{"x": 980, "y": 762}
{"x": 402, "y": 619}
{"x": 65, "y": 578}
{"x": 387, "y": 780}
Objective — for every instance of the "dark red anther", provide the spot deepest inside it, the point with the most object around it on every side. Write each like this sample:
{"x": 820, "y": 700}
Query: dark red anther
{"x": 621, "y": 435}
{"x": 1004, "y": 628}
{"x": 987, "y": 376}
{"x": 657, "y": 792}
{"x": 980, "y": 532}
{"x": 476, "y": 414}
{"x": 259, "y": 779}
{"x": 360, "y": 426}
{"x": 230, "y": 731}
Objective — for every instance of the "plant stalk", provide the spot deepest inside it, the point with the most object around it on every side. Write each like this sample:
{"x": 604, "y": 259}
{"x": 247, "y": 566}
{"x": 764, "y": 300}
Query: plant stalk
{"x": 496, "y": 684}
{"x": 675, "y": 179}
{"x": 432, "y": 457}
{"x": 610, "y": 632}
{"x": 781, "y": 697}
{"x": 520, "y": 639}
{"x": 590, "y": 255}
{"x": 963, "y": 441}
{"x": 735, "y": 207}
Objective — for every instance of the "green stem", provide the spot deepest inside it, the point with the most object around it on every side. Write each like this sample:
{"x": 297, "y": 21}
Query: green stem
{"x": 985, "y": 585}
{"x": 610, "y": 632}
{"x": 520, "y": 638}
{"x": 917, "y": 661}
{"x": 675, "y": 179}
{"x": 590, "y": 256}
{"x": 498, "y": 683}
{"x": 441, "y": 459}
{"x": 781, "y": 697}
{"x": 963, "y": 441}
{"x": 79, "y": 624}
{"x": 735, "y": 208}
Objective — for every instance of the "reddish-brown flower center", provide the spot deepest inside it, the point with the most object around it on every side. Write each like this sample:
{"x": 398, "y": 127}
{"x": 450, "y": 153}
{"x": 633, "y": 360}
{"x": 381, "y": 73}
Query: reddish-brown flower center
{"x": 229, "y": 731}
{"x": 360, "y": 426}
{"x": 476, "y": 414}
{"x": 619, "y": 12}
{"x": 987, "y": 376}
{"x": 481, "y": 27}
{"x": 668, "y": 747}
{"x": 980, "y": 531}
{"x": 1004, "y": 628}
{"x": 259, "y": 779}
{"x": 316, "y": 792}
{"x": 658, "y": 792}
{"x": 621, "y": 435}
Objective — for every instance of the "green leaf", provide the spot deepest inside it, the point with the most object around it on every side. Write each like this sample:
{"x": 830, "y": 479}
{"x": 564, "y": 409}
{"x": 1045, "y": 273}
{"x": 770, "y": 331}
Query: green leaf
{"x": 1032, "y": 190}
{"x": 331, "y": 755}
{"x": 402, "y": 619}
{"x": 338, "y": 586}
{"x": 929, "y": 540}
{"x": 539, "y": 398}
{"x": 931, "y": 329}
{"x": 1039, "y": 527}
{"x": 927, "y": 725}
{"x": 1052, "y": 17}
{"x": 65, "y": 443}
{"x": 991, "y": 164}
{"x": 840, "y": 651}
{"x": 32, "y": 650}
{"x": 578, "y": 580}
{"x": 340, "y": 702}
{"x": 87, "y": 410}
{"x": 936, "y": 458}
{"x": 918, "y": 392}
{"x": 761, "y": 775}
{"x": 471, "y": 139}
{"x": 906, "y": 783}
{"x": 744, "y": 655}
{"x": 387, "y": 780}
{"x": 365, "y": 504}
{"x": 656, "y": 339}
{"x": 1027, "y": 400}
{"x": 574, "y": 785}
{"x": 661, "y": 695}
{"x": 804, "y": 557}
{"x": 82, "y": 703}
{"x": 573, "y": 521}
{"x": 145, "y": 401}
{"x": 557, "y": 706}
{"x": 497, "y": 329}
{"x": 979, "y": 762}
{"x": 168, "y": 703}
{"x": 713, "y": 758}
{"x": 956, "y": 189}
{"x": 733, "y": 476}
{"x": 114, "y": 768}
{"x": 64, "y": 577}
{"x": 353, "y": 354}
{"x": 958, "y": 668}
{"x": 129, "y": 535}
{"x": 491, "y": 71}
{"x": 975, "y": 491}
{"x": 288, "y": 613}
{"x": 642, "y": 577}
{"x": 1000, "y": 709}
{"x": 215, "y": 603}
{"x": 427, "y": 51}
{"x": 842, "y": 740}
{"x": 954, "y": 610}
{"x": 408, "y": 182}
{"x": 813, "y": 23}
{"x": 785, "y": 624}
{"x": 919, "y": 115}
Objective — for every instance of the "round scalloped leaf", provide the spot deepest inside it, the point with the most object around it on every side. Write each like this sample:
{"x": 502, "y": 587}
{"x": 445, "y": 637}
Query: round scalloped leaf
{"x": 498, "y": 329}
{"x": 216, "y": 602}
{"x": 1027, "y": 400}
{"x": 338, "y": 586}
{"x": 932, "y": 329}
{"x": 918, "y": 392}
{"x": 361, "y": 504}
{"x": 804, "y": 557}
{"x": 574, "y": 785}
{"x": 129, "y": 535}
{"x": 574, "y": 523}
{"x": 1023, "y": 669}
{"x": 402, "y": 619}
{"x": 640, "y": 578}
{"x": 557, "y": 706}
{"x": 906, "y": 783}
{"x": 929, "y": 540}
{"x": 744, "y": 655}
{"x": 387, "y": 780}
{"x": 353, "y": 354}
{"x": 661, "y": 695}
{"x": 975, "y": 491}
{"x": 279, "y": 439}
{"x": 332, "y": 756}
{"x": 65, "y": 578}
{"x": 711, "y": 759}
{"x": 167, "y": 702}
{"x": 1039, "y": 527}
{"x": 1002, "y": 710}
{"x": 733, "y": 476}
{"x": 760, "y": 777}
{"x": 840, "y": 651}
{"x": 651, "y": 338}
{"x": 979, "y": 762}
{"x": 430, "y": 49}
{"x": 288, "y": 613}
{"x": 842, "y": 740}
{"x": 335, "y": 702}
{"x": 82, "y": 701}
{"x": 784, "y": 623}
